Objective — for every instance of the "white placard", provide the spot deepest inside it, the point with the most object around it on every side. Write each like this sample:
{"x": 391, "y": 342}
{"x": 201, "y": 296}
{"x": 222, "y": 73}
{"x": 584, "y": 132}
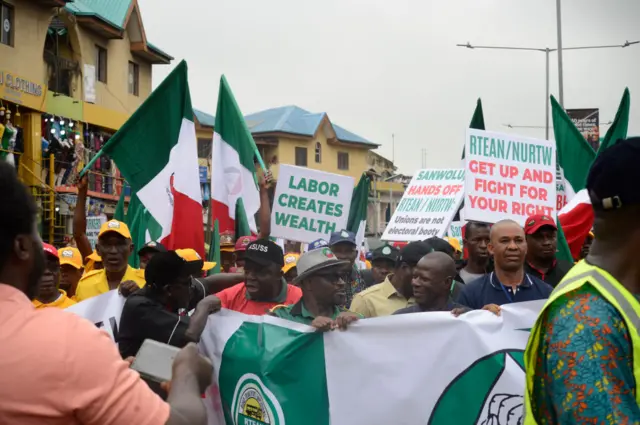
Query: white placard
{"x": 427, "y": 206}
{"x": 93, "y": 228}
{"x": 89, "y": 80}
{"x": 104, "y": 310}
{"x": 508, "y": 176}
{"x": 310, "y": 204}
{"x": 455, "y": 231}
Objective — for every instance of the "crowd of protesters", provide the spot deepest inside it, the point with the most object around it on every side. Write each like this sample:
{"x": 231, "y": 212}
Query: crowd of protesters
{"x": 325, "y": 287}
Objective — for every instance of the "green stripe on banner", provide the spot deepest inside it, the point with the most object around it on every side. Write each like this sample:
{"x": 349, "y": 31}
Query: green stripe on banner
{"x": 269, "y": 372}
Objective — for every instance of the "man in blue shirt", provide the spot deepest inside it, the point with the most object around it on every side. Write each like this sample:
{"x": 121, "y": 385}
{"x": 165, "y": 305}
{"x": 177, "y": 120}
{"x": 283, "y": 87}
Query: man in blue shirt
{"x": 508, "y": 283}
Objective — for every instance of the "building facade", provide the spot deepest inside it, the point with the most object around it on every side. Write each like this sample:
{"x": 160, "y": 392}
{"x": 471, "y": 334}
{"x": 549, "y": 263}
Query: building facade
{"x": 71, "y": 73}
{"x": 386, "y": 192}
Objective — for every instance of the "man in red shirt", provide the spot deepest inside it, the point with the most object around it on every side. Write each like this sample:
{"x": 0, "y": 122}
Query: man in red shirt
{"x": 264, "y": 286}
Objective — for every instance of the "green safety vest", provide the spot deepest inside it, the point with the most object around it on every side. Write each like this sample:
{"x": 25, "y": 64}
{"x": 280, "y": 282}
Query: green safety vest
{"x": 609, "y": 288}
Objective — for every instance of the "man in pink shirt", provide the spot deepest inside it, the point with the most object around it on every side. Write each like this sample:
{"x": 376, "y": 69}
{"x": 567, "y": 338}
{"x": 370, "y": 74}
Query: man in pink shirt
{"x": 59, "y": 369}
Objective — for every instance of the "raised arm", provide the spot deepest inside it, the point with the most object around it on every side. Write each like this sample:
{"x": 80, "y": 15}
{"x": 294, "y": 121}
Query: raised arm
{"x": 80, "y": 220}
{"x": 217, "y": 282}
{"x": 265, "y": 207}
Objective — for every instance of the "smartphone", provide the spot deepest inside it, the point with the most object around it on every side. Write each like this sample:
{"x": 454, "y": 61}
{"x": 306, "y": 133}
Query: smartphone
{"x": 154, "y": 360}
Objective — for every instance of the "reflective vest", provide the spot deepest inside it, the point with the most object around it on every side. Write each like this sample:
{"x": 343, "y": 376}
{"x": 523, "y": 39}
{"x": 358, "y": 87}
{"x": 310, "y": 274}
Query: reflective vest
{"x": 617, "y": 295}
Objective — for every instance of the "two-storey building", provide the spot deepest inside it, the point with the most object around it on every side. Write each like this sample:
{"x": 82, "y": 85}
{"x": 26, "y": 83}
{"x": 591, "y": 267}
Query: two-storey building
{"x": 71, "y": 73}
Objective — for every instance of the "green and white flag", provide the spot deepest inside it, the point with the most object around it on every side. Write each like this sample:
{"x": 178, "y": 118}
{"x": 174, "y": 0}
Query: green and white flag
{"x": 429, "y": 368}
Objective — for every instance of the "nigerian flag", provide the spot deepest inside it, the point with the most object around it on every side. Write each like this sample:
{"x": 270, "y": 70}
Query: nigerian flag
{"x": 156, "y": 152}
{"x": 357, "y": 221}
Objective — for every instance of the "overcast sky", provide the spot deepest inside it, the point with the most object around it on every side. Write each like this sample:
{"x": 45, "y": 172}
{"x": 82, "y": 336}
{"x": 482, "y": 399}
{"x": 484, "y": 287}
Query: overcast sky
{"x": 381, "y": 67}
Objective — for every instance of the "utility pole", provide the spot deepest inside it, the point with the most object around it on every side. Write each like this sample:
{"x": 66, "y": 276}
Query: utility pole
{"x": 560, "y": 77}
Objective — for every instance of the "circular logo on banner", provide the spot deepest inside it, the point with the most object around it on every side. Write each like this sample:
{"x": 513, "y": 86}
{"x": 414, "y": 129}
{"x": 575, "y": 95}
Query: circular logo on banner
{"x": 253, "y": 403}
{"x": 6, "y": 25}
{"x": 488, "y": 392}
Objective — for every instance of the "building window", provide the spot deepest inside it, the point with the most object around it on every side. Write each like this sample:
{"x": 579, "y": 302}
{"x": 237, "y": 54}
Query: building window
{"x": 204, "y": 148}
{"x": 343, "y": 161}
{"x": 6, "y": 24}
{"x": 301, "y": 156}
{"x": 101, "y": 64}
{"x": 318, "y": 153}
{"x": 134, "y": 78}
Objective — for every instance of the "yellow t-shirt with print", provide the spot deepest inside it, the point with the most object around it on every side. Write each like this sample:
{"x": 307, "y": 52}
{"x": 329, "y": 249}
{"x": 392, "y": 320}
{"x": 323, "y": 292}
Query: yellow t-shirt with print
{"x": 63, "y": 301}
{"x": 95, "y": 283}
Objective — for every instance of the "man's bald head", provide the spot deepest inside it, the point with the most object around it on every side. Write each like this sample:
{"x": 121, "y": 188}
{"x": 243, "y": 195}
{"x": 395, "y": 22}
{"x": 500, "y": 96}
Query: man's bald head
{"x": 508, "y": 245}
{"x": 439, "y": 262}
{"x": 504, "y": 226}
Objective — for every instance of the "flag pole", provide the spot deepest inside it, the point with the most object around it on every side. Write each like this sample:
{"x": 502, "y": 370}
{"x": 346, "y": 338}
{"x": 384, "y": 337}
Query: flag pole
{"x": 90, "y": 164}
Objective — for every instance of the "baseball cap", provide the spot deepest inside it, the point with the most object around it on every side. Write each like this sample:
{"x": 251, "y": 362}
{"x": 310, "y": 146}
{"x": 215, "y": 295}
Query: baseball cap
{"x": 385, "y": 252}
{"x": 70, "y": 256}
{"x": 50, "y": 249}
{"x": 343, "y": 236}
{"x": 612, "y": 182}
{"x": 191, "y": 255}
{"x": 226, "y": 242}
{"x": 313, "y": 261}
{"x": 264, "y": 252}
{"x": 165, "y": 268}
{"x": 94, "y": 256}
{"x": 535, "y": 222}
{"x": 318, "y": 243}
{"x": 152, "y": 247}
{"x": 454, "y": 242}
{"x": 290, "y": 261}
{"x": 243, "y": 242}
{"x": 413, "y": 252}
{"x": 115, "y": 226}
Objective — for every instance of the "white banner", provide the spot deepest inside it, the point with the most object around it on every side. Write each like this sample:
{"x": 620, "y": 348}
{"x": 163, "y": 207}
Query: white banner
{"x": 508, "y": 176}
{"x": 427, "y": 206}
{"x": 89, "y": 81}
{"x": 310, "y": 204}
{"x": 429, "y": 368}
{"x": 104, "y": 310}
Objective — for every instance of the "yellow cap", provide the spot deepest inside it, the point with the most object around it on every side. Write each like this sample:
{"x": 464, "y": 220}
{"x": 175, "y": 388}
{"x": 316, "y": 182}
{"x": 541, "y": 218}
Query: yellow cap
{"x": 230, "y": 248}
{"x": 115, "y": 226}
{"x": 290, "y": 261}
{"x": 455, "y": 243}
{"x": 94, "y": 256}
{"x": 189, "y": 254}
{"x": 71, "y": 256}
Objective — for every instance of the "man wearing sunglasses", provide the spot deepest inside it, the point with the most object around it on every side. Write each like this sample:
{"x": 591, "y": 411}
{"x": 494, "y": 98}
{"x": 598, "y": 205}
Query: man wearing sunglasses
{"x": 323, "y": 292}
{"x": 396, "y": 291}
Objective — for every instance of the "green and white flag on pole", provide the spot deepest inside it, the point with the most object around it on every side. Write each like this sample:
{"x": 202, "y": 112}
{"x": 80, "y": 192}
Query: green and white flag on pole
{"x": 357, "y": 222}
{"x": 276, "y": 372}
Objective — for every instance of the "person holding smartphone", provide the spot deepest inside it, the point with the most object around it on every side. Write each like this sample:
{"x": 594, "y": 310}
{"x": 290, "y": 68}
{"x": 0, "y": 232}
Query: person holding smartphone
{"x": 83, "y": 381}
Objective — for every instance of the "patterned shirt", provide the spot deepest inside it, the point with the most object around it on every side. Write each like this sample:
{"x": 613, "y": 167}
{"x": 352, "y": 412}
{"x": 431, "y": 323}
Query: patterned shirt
{"x": 354, "y": 283}
{"x": 584, "y": 369}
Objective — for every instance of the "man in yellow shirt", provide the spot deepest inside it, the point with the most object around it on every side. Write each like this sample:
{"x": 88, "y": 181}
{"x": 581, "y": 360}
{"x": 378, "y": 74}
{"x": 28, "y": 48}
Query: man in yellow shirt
{"x": 49, "y": 294}
{"x": 71, "y": 269}
{"x": 114, "y": 247}
{"x": 396, "y": 292}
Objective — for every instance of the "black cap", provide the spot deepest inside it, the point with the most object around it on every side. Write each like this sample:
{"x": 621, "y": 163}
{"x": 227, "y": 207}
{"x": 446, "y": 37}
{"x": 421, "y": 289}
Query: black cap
{"x": 613, "y": 178}
{"x": 439, "y": 245}
{"x": 413, "y": 252}
{"x": 165, "y": 268}
{"x": 152, "y": 247}
{"x": 385, "y": 252}
{"x": 265, "y": 252}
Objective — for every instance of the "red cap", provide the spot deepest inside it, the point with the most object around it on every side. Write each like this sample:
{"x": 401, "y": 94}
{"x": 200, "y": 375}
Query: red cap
{"x": 50, "y": 249}
{"x": 243, "y": 242}
{"x": 535, "y": 222}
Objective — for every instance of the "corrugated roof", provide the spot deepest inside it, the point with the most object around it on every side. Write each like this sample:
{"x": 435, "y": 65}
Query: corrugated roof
{"x": 204, "y": 118}
{"x": 112, "y": 11}
{"x": 295, "y": 120}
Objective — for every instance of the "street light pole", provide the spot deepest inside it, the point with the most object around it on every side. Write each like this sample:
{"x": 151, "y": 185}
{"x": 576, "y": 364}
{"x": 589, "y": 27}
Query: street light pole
{"x": 546, "y": 102}
{"x": 560, "y": 77}
{"x": 547, "y": 50}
